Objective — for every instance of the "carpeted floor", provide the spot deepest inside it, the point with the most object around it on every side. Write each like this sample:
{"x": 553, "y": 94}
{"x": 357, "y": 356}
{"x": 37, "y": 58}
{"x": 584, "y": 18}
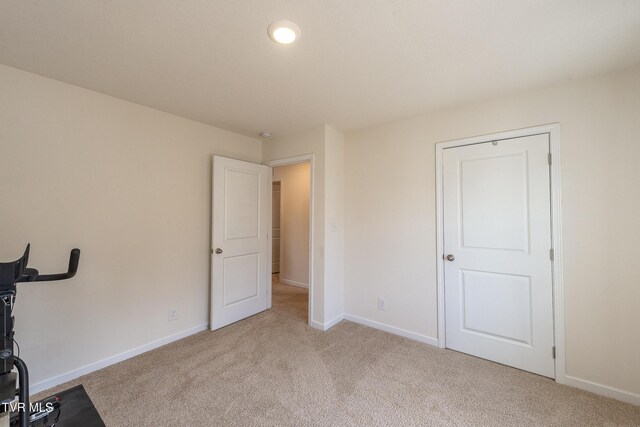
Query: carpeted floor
{"x": 273, "y": 369}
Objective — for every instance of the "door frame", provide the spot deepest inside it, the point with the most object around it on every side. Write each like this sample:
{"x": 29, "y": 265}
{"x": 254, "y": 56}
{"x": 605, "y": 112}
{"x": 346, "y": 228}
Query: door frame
{"x": 553, "y": 130}
{"x": 292, "y": 161}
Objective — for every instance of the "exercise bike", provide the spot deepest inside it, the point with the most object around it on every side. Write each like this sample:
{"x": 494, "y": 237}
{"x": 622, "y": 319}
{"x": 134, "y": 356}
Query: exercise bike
{"x": 21, "y": 412}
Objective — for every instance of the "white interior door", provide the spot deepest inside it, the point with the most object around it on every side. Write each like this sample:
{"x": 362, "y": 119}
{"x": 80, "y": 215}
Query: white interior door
{"x": 497, "y": 237}
{"x": 241, "y": 264}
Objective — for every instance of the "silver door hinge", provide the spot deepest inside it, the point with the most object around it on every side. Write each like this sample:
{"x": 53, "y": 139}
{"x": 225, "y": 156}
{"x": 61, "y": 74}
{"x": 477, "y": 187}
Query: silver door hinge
{"x": 551, "y": 254}
{"x": 553, "y": 351}
{"x": 549, "y": 157}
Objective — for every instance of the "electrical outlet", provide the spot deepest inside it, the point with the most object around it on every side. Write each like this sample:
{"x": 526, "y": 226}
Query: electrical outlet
{"x": 382, "y": 304}
{"x": 173, "y": 313}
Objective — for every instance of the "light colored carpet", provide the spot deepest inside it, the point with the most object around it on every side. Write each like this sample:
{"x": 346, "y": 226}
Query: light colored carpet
{"x": 273, "y": 369}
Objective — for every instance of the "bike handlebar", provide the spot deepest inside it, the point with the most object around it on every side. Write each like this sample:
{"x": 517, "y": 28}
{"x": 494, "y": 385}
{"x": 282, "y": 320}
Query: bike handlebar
{"x": 32, "y": 275}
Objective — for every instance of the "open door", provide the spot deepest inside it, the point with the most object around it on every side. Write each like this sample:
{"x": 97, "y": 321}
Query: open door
{"x": 241, "y": 264}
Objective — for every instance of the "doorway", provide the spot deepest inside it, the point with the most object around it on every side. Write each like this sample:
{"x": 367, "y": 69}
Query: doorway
{"x": 275, "y": 227}
{"x": 241, "y": 252}
{"x": 291, "y": 239}
{"x": 499, "y": 279}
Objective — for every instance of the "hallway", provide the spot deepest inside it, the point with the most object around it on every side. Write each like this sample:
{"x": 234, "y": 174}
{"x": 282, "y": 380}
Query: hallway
{"x": 290, "y": 301}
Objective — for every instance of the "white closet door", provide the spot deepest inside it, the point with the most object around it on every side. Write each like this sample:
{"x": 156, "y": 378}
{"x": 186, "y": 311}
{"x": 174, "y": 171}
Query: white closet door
{"x": 497, "y": 237}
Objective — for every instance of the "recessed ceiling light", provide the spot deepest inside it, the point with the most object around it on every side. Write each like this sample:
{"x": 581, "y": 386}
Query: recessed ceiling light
{"x": 283, "y": 31}
{"x": 265, "y": 134}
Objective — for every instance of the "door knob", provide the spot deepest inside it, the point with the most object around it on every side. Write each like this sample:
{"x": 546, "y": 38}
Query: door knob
{"x": 450, "y": 257}
{"x": 218, "y": 251}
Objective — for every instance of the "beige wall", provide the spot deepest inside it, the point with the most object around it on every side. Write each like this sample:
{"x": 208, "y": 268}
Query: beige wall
{"x": 310, "y": 142}
{"x": 294, "y": 222}
{"x": 326, "y": 144}
{"x": 128, "y": 185}
{"x": 390, "y": 216}
{"x": 334, "y": 224}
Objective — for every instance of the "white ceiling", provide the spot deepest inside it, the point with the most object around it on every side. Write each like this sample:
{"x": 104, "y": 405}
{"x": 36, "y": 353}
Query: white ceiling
{"x": 357, "y": 63}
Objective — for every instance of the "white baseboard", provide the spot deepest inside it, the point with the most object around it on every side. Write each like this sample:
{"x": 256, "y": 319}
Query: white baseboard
{"x": 604, "y": 390}
{"x": 392, "y": 329}
{"x": 317, "y": 325}
{"x": 590, "y": 386}
{"x": 294, "y": 283}
{"x": 327, "y": 325}
{"x": 103, "y": 363}
{"x": 333, "y": 322}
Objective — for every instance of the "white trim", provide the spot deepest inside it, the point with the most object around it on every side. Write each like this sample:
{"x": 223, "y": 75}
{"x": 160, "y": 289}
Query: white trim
{"x": 556, "y": 231}
{"x": 440, "y": 246}
{"x": 317, "y": 325}
{"x": 111, "y": 360}
{"x": 326, "y": 326}
{"x": 516, "y": 133}
{"x": 392, "y": 329}
{"x": 294, "y": 283}
{"x": 331, "y": 323}
{"x": 290, "y": 161}
{"x": 603, "y": 390}
{"x": 269, "y": 237}
{"x": 556, "y": 242}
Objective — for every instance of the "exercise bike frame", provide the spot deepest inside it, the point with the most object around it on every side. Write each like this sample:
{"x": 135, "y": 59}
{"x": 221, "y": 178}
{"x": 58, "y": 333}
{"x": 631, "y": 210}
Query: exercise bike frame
{"x": 11, "y": 274}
